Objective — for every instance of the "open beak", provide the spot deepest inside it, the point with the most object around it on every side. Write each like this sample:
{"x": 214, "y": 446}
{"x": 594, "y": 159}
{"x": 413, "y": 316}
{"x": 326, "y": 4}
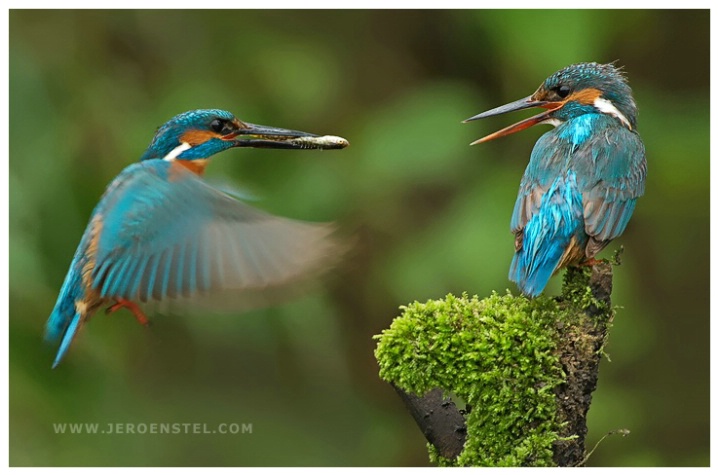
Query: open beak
{"x": 525, "y": 103}
{"x": 262, "y": 136}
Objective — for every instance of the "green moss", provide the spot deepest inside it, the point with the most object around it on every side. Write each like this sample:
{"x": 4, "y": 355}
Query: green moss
{"x": 501, "y": 356}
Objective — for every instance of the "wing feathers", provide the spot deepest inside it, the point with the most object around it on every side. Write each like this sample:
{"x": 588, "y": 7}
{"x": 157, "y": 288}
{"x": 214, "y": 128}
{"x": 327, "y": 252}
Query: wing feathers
{"x": 611, "y": 176}
{"x": 188, "y": 239}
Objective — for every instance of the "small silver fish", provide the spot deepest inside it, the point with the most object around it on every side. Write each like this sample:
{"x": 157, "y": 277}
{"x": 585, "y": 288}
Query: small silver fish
{"x": 324, "y": 142}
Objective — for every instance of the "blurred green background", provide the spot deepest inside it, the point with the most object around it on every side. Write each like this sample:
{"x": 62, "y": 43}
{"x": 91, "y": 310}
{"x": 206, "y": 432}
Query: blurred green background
{"x": 430, "y": 215}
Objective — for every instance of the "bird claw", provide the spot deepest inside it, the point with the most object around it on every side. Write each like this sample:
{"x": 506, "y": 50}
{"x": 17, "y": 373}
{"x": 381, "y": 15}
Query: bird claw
{"x": 132, "y": 307}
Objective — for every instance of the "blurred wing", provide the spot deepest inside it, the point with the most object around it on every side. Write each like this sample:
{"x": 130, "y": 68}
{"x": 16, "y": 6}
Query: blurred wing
{"x": 619, "y": 179}
{"x": 167, "y": 234}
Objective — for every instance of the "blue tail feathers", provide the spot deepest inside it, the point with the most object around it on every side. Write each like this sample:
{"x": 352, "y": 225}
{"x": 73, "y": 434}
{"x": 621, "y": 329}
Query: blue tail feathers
{"x": 548, "y": 235}
{"x": 67, "y": 339}
{"x": 59, "y": 325}
{"x": 531, "y": 272}
{"x": 65, "y": 318}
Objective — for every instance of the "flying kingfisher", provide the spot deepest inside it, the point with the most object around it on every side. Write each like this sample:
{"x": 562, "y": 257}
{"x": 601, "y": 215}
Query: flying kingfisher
{"x": 584, "y": 176}
{"x": 161, "y": 232}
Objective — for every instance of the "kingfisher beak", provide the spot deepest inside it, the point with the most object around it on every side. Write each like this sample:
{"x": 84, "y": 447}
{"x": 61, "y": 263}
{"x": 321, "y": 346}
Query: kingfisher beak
{"x": 521, "y": 104}
{"x": 262, "y": 136}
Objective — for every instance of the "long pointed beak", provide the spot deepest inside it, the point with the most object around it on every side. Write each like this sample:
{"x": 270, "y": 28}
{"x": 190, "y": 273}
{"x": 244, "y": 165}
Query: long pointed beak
{"x": 262, "y": 136}
{"x": 521, "y": 104}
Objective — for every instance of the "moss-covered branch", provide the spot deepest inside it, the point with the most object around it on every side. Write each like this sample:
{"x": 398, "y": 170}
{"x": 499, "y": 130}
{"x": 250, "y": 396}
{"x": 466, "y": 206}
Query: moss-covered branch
{"x": 525, "y": 369}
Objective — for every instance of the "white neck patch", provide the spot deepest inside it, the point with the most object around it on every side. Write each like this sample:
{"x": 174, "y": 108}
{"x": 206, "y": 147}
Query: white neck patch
{"x": 177, "y": 151}
{"x": 606, "y": 106}
{"x": 552, "y": 121}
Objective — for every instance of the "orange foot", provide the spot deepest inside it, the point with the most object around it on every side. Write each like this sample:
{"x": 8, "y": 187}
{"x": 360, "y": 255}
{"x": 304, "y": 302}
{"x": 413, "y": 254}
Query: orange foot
{"x": 590, "y": 262}
{"x": 132, "y": 307}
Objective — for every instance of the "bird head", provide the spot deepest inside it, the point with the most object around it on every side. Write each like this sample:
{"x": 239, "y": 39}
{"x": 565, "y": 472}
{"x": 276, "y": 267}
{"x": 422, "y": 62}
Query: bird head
{"x": 199, "y": 134}
{"x": 583, "y": 88}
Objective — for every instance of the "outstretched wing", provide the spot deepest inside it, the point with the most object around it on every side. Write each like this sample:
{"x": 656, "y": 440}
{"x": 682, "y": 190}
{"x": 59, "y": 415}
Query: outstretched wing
{"x": 168, "y": 234}
{"x": 619, "y": 178}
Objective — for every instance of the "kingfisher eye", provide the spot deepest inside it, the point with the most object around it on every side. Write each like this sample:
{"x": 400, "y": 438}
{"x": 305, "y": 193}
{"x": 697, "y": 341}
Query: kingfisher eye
{"x": 217, "y": 125}
{"x": 563, "y": 91}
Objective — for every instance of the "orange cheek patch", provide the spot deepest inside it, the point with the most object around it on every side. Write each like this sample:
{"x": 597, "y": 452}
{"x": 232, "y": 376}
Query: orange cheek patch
{"x": 585, "y": 96}
{"x": 196, "y": 137}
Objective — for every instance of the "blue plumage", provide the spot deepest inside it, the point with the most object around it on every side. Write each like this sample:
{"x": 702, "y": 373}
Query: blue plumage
{"x": 580, "y": 187}
{"x": 548, "y": 234}
{"x": 161, "y": 232}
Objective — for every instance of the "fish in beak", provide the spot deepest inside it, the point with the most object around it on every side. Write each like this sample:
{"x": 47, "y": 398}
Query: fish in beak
{"x": 262, "y": 136}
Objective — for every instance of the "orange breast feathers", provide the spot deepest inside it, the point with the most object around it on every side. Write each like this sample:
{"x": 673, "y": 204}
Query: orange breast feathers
{"x": 196, "y": 166}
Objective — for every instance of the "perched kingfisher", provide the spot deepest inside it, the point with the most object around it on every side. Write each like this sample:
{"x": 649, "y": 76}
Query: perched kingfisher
{"x": 161, "y": 232}
{"x": 584, "y": 176}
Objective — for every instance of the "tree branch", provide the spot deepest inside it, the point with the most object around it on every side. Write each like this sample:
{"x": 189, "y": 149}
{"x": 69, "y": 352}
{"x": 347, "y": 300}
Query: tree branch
{"x": 439, "y": 419}
{"x": 579, "y": 348}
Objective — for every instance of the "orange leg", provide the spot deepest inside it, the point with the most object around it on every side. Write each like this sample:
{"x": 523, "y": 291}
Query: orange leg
{"x": 132, "y": 307}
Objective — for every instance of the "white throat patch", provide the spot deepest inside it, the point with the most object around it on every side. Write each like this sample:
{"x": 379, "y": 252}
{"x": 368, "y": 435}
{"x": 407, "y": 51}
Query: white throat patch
{"x": 177, "y": 151}
{"x": 552, "y": 121}
{"x": 606, "y": 106}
